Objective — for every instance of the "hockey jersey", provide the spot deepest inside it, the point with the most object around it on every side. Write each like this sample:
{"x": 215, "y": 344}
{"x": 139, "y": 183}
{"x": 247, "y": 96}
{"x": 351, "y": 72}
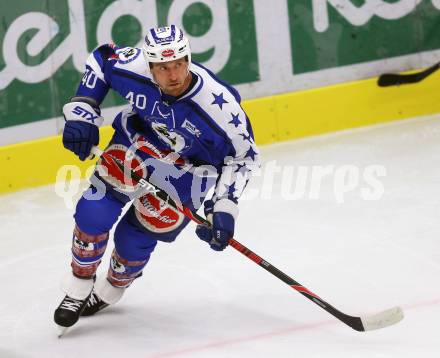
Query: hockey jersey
{"x": 206, "y": 125}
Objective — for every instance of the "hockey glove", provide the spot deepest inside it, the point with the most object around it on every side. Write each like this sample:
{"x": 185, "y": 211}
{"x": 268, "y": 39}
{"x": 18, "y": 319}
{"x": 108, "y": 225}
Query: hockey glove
{"x": 83, "y": 117}
{"x": 222, "y": 229}
{"x": 79, "y": 137}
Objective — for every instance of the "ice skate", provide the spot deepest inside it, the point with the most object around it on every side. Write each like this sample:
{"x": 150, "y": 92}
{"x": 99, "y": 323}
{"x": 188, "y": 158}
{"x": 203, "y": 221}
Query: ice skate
{"x": 94, "y": 304}
{"x": 103, "y": 295}
{"x": 68, "y": 313}
{"x": 77, "y": 292}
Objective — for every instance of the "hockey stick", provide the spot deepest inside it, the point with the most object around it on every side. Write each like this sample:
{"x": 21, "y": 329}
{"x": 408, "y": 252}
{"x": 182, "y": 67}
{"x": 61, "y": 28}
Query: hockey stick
{"x": 363, "y": 323}
{"x": 394, "y": 79}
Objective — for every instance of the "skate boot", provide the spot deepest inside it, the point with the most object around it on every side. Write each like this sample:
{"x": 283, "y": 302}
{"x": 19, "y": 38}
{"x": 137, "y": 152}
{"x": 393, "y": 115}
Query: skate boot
{"x": 103, "y": 295}
{"x": 94, "y": 304}
{"x": 77, "y": 292}
{"x": 69, "y": 310}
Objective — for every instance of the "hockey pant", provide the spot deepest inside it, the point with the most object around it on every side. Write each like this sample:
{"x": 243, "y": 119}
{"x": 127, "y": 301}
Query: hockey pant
{"x": 147, "y": 220}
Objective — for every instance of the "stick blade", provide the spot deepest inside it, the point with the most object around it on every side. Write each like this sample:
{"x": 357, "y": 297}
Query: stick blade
{"x": 390, "y": 79}
{"x": 382, "y": 319}
{"x": 393, "y": 79}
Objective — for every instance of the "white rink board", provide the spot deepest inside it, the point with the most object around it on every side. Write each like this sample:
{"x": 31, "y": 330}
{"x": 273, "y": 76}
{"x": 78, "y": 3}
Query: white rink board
{"x": 361, "y": 256}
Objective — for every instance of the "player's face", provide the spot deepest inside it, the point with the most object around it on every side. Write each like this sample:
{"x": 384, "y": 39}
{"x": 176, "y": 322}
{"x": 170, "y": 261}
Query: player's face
{"x": 172, "y": 77}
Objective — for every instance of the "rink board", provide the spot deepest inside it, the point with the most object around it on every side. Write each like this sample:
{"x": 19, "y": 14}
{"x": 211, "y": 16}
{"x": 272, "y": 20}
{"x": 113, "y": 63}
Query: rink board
{"x": 276, "y": 118}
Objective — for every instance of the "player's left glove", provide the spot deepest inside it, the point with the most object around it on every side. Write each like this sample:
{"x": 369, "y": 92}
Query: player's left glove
{"x": 223, "y": 223}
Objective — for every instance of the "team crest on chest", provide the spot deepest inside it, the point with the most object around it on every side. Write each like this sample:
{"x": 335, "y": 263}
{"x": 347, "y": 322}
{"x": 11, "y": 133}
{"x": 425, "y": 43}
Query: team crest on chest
{"x": 163, "y": 124}
{"x": 174, "y": 139}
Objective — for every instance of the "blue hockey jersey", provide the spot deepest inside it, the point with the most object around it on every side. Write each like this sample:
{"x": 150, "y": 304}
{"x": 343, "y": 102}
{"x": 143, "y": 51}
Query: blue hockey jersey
{"x": 205, "y": 125}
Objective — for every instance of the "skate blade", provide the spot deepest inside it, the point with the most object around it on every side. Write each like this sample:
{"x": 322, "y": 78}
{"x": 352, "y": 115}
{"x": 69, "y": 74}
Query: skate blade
{"x": 61, "y": 330}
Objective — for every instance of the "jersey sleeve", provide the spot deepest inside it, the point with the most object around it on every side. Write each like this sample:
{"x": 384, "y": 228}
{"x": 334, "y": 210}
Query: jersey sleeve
{"x": 221, "y": 103}
{"x": 243, "y": 159}
{"x": 96, "y": 80}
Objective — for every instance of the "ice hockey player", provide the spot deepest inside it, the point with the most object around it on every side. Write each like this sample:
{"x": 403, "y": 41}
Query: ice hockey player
{"x": 182, "y": 124}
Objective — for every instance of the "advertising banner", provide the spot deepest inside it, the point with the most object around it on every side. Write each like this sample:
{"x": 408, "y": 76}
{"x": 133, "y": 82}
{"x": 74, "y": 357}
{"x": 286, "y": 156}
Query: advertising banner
{"x": 260, "y": 47}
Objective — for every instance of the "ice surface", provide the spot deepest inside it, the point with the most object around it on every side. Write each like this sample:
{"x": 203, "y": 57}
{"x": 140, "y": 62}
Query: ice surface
{"x": 362, "y": 256}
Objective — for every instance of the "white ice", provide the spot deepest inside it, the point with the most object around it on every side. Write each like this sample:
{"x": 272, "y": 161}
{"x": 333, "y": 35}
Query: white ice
{"x": 362, "y": 256}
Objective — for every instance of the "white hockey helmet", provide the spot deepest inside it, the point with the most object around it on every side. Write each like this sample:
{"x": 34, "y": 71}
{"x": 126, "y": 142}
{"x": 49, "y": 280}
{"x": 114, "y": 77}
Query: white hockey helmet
{"x": 163, "y": 44}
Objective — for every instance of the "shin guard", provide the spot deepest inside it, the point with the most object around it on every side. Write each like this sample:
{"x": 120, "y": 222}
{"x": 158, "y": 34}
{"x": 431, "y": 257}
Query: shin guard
{"x": 122, "y": 272}
{"x": 87, "y": 251}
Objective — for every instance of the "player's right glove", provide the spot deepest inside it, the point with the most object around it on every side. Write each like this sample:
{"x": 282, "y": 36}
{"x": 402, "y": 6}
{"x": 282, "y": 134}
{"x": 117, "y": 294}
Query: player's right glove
{"x": 81, "y": 131}
{"x": 79, "y": 137}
